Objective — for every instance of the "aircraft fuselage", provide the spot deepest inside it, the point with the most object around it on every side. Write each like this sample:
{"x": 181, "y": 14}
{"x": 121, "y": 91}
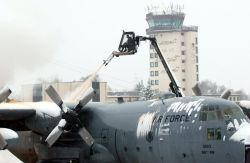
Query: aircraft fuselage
{"x": 189, "y": 129}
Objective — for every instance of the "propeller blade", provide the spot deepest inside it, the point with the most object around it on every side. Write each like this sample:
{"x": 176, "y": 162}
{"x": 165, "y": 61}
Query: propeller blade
{"x": 88, "y": 95}
{"x": 54, "y": 95}
{"x": 3, "y": 143}
{"x": 4, "y": 94}
{"x": 86, "y": 136}
{"x": 196, "y": 90}
{"x": 56, "y": 133}
{"x": 56, "y": 98}
{"x": 226, "y": 94}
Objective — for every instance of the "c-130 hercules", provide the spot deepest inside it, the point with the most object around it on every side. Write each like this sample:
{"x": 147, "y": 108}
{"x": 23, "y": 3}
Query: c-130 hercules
{"x": 175, "y": 130}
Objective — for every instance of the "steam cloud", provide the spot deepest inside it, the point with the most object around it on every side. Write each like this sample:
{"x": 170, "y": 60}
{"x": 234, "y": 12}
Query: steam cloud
{"x": 23, "y": 47}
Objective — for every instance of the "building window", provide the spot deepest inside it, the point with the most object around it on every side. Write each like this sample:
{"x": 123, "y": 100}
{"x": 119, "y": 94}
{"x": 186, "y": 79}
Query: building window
{"x": 151, "y": 55}
{"x": 196, "y": 50}
{"x": 151, "y": 64}
{"x": 182, "y": 44}
{"x": 196, "y": 40}
{"x": 183, "y": 79}
{"x": 183, "y": 61}
{"x": 151, "y": 73}
{"x": 183, "y": 70}
{"x": 197, "y": 59}
{"x": 182, "y": 33}
{"x": 156, "y": 55}
{"x": 156, "y": 82}
{"x": 156, "y": 64}
{"x": 192, "y": 45}
{"x": 182, "y": 52}
{"x": 197, "y": 68}
{"x": 197, "y": 77}
{"x": 152, "y": 82}
{"x": 156, "y": 73}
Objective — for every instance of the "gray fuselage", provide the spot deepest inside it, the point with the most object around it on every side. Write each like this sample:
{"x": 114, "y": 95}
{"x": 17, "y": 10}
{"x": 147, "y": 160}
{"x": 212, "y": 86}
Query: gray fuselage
{"x": 188, "y": 130}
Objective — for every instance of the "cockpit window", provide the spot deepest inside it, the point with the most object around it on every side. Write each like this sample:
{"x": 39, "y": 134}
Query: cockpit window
{"x": 233, "y": 118}
{"x": 214, "y": 134}
{"x": 231, "y": 114}
{"x": 221, "y": 112}
{"x": 218, "y": 134}
{"x": 209, "y": 113}
{"x": 210, "y": 133}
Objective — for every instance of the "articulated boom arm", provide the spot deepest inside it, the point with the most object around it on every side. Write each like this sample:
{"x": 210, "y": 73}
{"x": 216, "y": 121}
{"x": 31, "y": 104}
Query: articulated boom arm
{"x": 128, "y": 46}
{"x": 173, "y": 84}
{"x": 129, "y": 43}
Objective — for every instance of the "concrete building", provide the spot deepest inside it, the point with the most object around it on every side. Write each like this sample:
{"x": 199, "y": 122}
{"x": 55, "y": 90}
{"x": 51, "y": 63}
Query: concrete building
{"x": 179, "y": 45}
{"x": 36, "y": 92}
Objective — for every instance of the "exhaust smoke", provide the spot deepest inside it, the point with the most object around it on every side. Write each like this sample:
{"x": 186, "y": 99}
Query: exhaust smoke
{"x": 23, "y": 48}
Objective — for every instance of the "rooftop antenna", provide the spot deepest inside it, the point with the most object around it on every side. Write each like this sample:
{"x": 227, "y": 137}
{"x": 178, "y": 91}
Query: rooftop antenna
{"x": 147, "y": 9}
{"x": 171, "y": 6}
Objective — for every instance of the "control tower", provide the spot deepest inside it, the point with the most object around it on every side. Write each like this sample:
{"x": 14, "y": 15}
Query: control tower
{"x": 179, "y": 45}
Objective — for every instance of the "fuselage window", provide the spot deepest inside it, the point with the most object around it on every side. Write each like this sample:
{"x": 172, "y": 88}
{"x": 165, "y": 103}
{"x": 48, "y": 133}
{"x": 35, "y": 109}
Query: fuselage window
{"x": 210, "y": 134}
{"x": 233, "y": 117}
{"x": 218, "y": 134}
{"x": 214, "y": 134}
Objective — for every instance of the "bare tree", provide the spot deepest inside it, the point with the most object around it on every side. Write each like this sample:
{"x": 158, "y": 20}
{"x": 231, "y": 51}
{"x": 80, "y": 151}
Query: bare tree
{"x": 139, "y": 87}
{"x": 243, "y": 94}
{"x": 148, "y": 93}
{"x": 144, "y": 92}
{"x": 96, "y": 79}
{"x": 208, "y": 87}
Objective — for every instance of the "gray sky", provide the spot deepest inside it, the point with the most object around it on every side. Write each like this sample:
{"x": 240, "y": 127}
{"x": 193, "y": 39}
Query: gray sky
{"x": 69, "y": 39}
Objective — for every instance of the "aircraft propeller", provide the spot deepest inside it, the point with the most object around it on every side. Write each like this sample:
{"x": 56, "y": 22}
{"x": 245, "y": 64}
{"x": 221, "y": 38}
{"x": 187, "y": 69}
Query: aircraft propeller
{"x": 225, "y": 94}
{"x": 197, "y": 92}
{"x": 70, "y": 117}
{"x": 4, "y": 94}
{"x": 196, "y": 89}
{"x": 3, "y": 142}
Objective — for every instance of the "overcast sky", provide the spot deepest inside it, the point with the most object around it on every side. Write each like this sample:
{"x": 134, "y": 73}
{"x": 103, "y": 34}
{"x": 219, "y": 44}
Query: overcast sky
{"x": 69, "y": 39}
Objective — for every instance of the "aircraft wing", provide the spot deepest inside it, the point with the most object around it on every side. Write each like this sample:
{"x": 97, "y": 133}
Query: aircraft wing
{"x": 15, "y": 111}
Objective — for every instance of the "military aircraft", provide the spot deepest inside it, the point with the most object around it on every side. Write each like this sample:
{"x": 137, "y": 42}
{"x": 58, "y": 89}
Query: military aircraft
{"x": 177, "y": 130}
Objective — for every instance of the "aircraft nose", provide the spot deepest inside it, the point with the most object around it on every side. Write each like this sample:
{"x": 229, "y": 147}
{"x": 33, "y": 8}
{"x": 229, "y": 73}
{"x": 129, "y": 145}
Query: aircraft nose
{"x": 243, "y": 134}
